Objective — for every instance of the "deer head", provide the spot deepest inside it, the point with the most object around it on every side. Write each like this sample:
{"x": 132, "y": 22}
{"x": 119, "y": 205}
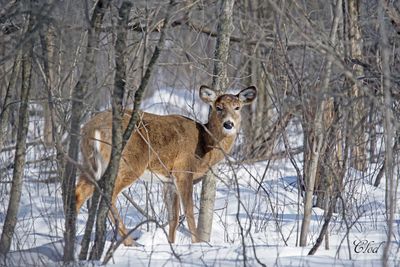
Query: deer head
{"x": 225, "y": 118}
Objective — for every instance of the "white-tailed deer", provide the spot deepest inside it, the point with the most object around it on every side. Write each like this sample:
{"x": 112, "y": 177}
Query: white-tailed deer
{"x": 174, "y": 148}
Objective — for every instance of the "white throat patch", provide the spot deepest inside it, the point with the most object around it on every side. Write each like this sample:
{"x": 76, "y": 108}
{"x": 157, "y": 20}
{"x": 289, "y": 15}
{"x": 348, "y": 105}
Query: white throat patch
{"x": 229, "y": 131}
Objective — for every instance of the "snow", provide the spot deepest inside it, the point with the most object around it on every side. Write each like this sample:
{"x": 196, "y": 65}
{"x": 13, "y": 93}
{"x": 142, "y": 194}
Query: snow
{"x": 259, "y": 226}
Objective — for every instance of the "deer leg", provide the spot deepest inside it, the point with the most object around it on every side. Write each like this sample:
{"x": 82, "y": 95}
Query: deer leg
{"x": 123, "y": 232}
{"x": 115, "y": 217}
{"x": 185, "y": 189}
{"x": 171, "y": 201}
{"x": 124, "y": 179}
{"x": 84, "y": 190}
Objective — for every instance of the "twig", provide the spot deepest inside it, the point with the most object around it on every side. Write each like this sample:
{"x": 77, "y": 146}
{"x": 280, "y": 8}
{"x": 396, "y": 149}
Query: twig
{"x": 143, "y": 212}
{"x": 32, "y": 143}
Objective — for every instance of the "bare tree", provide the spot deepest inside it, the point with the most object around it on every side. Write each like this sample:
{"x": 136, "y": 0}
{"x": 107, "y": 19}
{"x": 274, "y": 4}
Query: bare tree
{"x": 78, "y": 95}
{"x": 20, "y": 151}
{"x": 317, "y": 133}
{"x": 48, "y": 43}
{"x": 5, "y": 113}
{"x": 358, "y": 107}
{"x": 391, "y": 185}
{"x": 108, "y": 180}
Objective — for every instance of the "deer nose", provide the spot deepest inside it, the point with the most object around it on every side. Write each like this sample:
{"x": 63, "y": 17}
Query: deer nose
{"x": 228, "y": 125}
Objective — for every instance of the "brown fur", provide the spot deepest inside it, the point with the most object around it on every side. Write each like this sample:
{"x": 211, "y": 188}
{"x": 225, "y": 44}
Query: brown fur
{"x": 173, "y": 146}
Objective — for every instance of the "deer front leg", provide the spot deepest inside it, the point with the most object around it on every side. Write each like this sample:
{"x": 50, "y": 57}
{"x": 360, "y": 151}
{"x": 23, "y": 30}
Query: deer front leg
{"x": 171, "y": 201}
{"x": 184, "y": 184}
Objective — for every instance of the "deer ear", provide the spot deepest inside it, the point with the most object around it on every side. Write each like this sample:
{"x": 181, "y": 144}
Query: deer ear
{"x": 246, "y": 96}
{"x": 207, "y": 94}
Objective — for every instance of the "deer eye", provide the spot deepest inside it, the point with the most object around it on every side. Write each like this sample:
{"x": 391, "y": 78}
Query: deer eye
{"x": 219, "y": 108}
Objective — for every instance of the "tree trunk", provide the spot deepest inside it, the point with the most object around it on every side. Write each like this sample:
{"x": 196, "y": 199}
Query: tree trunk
{"x": 358, "y": 159}
{"x": 225, "y": 28}
{"x": 5, "y": 113}
{"x": 311, "y": 172}
{"x": 389, "y": 134}
{"x": 327, "y": 162}
{"x": 328, "y": 215}
{"x": 49, "y": 58}
{"x": 317, "y": 134}
{"x": 78, "y": 95}
{"x": 108, "y": 179}
{"x": 20, "y": 151}
{"x": 219, "y": 83}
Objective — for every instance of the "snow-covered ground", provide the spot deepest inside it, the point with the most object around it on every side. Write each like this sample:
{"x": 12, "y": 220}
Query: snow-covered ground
{"x": 258, "y": 224}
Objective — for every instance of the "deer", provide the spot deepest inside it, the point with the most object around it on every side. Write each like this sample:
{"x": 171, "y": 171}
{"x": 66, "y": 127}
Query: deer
{"x": 177, "y": 150}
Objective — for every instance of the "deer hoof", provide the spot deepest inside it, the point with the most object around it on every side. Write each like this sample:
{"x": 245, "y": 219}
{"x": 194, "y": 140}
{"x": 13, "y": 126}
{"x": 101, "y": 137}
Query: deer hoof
{"x": 128, "y": 242}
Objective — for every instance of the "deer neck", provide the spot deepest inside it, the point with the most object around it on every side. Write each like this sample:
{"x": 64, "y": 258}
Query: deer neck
{"x": 214, "y": 147}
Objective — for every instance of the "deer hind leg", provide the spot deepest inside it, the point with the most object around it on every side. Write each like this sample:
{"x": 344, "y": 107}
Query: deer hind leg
{"x": 184, "y": 184}
{"x": 84, "y": 190}
{"x": 117, "y": 220}
{"x": 126, "y": 176}
{"x": 171, "y": 201}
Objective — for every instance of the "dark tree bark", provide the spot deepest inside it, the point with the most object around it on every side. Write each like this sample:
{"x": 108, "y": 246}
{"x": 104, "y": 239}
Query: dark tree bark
{"x": 78, "y": 95}
{"x": 108, "y": 179}
{"x": 5, "y": 112}
{"x": 89, "y": 226}
{"x": 324, "y": 229}
{"x": 20, "y": 151}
